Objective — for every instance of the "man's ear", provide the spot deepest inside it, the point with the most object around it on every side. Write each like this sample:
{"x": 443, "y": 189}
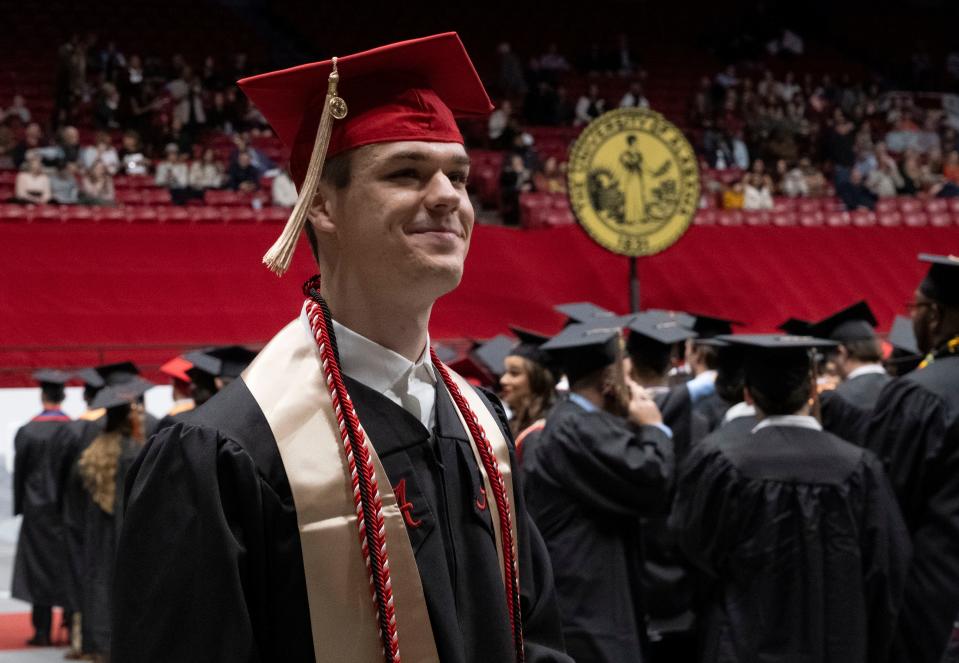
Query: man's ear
{"x": 321, "y": 210}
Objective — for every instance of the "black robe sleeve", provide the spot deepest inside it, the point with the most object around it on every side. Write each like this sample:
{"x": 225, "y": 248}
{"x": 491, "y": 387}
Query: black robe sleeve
{"x": 843, "y": 418}
{"x": 195, "y": 522}
{"x": 20, "y": 467}
{"x": 916, "y": 435}
{"x": 542, "y": 625}
{"x": 609, "y": 465}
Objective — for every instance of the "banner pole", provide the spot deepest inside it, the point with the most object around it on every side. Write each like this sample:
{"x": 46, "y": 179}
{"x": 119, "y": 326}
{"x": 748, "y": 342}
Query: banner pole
{"x": 633, "y": 285}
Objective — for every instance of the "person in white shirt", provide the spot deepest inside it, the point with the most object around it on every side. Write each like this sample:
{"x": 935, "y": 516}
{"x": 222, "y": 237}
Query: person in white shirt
{"x": 283, "y": 191}
{"x": 634, "y": 97}
{"x": 33, "y": 184}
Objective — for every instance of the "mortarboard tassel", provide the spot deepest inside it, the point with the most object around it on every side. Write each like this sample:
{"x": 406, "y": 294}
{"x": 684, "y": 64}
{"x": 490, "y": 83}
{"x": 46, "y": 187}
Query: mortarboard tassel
{"x": 280, "y": 255}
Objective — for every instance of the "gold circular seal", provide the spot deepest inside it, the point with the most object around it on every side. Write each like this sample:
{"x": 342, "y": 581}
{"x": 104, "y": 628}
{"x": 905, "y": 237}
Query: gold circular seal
{"x": 633, "y": 182}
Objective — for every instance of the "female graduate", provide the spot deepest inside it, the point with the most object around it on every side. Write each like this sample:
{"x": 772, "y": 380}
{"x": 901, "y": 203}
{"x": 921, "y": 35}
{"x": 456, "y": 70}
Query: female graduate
{"x": 528, "y": 385}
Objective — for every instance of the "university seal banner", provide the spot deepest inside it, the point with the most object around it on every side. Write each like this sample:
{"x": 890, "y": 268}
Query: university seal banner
{"x": 633, "y": 182}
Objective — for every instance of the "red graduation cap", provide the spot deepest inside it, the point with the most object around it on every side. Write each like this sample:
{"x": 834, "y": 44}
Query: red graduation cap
{"x": 177, "y": 368}
{"x": 410, "y": 90}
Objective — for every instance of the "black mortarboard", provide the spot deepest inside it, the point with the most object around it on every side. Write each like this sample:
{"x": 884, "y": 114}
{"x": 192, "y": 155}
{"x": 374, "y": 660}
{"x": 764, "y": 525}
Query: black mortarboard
{"x": 708, "y": 326}
{"x": 530, "y": 346}
{"x": 445, "y": 353}
{"x": 582, "y": 349}
{"x": 942, "y": 282}
{"x": 853, "y": 323}
{"x": 685, "y": 319}
{"x": 773, "y": 351}
{"x": 233, "y": 359}
{"x": 902, "y": 336}
{"x": 795, "y": 326}
{"x": 658, "y": 329}
{"x": 90, "y": 378}
{"x": 117, "y": 373}
{"x": 124, "y": 393}
{"x": 51, "y": 376}
{"x": 493, "y": 353}
{"x": 583, "y": 312}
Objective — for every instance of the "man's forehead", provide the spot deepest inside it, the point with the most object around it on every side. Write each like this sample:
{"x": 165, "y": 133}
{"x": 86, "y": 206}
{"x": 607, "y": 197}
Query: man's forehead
{"x": 417, "y": 151}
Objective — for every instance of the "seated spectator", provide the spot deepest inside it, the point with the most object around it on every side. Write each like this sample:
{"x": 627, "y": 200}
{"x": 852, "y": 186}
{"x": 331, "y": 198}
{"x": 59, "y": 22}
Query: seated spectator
{"x": 32, "y": 140}
{"x": 178, "y": 134}
{"x": 815, "y": 180}
{"x": 17, "y": 111}
{"x": 552, "y": 61}
{"x": 222, "y": 115}
{"x": 96, "y": 186}
{"x": 515, "y": 179}
{"x": 106, "y": 111}
{"x": 757, "y": 192}
{"x": 283, "y": 191}
{"x": 132, "y": 159}
{"x": 884, "y": 180}
{"x": 259, "y": 160}
{"x": 69, "y": 145}
{"x": 552, "y": 178}
{"x": 589, "y": 106}
{"x": 243, "y": 176}
{"x": 788, "y": 89}
{"x": 734, "y": 196}
{"x": 634, "y": 97}
{"x": 854, "y": 194}
{"x": 172, "y": 173}
{"x": 498, "y": 125}
{"x": 792, "y": 181}
{"x": 950, "y": 169}
{"x": 205, "y": 173}
{"x": 64, "y": 185}
{"x": 102, "y": 151}
{"x": 912, "y": 176}
{"x": 32, "y": 184}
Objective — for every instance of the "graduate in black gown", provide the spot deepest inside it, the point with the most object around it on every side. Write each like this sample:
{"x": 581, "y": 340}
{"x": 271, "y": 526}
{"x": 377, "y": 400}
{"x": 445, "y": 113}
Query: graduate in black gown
{"x": 40, "y": 565}
{"x": 603, "y": 461}
{"x": 858, "y": 357}
{"x": 97, "y": 481}
{"x": 348, "y": 498}
{"x": 797, "y": 531}
{"x": 176, "y": 370}
{"x": 703, "y": 359}
{"x": 528, "y": 386}
{"x": 914, "y": 429}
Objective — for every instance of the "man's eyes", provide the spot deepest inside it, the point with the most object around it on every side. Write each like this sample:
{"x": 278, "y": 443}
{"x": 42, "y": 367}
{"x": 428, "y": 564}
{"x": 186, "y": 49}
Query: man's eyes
{"x": 458, "y": 177}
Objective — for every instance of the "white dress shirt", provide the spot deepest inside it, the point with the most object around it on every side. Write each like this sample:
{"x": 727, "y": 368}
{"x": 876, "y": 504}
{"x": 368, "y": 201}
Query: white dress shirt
{"x": 791, "y": 420}
{"x": 411, "y": 385}
{"x": 868, "y": 369}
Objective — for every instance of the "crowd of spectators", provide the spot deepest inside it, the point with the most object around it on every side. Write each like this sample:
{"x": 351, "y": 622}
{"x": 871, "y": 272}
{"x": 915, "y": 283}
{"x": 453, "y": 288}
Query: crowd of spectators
{"x": 787, "y": 135}
{"x": 152, "y": 118}
{"x": 815, "y": 135}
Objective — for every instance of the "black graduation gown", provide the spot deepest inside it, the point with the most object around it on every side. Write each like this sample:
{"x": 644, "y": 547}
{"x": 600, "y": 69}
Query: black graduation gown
{"x": 802, "y": 539}
{"x": 94, "y": 540}
{"x": 914, "y": 429}
{"x": 40, "y": 566}
{"x": 210, "y": 566}
{"x": 590, "y": 481}
{"x": 863, "y": 390}
{"x": 669, "y": 586}
{"x": 712, "y": 408}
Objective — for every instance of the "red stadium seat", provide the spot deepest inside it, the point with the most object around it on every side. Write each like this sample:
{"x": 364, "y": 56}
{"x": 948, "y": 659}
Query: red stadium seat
{"x": 172, "y": 214}
{"x": 783, "y": 219}
{"x": 953, "y": 204}
{"x": 838, "y": 219}
{"x": 47, "y": 214}
{"x": 940, "y": 219}
{"x": 810, "y": 219}
{"x": 156, "y": 197}
{"x": 81, "y": 213}
{"x": 556, "y": 217}
{"x": 808, "y": 206}
{"x": 239, "y": 215}
{"x": 785, "y": 203}
{"x": 908, "y": 205}
{"x": 15, "y": 213}
{"x": 706, "y": 217}
{"x": 277, "y": 215}
{"x": 142, "y": 214}
{"x": 936, "y": 206}
{"x": 756, "y": 217}
{"x": 206, "y": 214}
{"x": 889, "y": 219}
{"x": 8, "y": 177}
{"x": 111, "y": 214}
{"x": 863, "y": 218}
{"x": 884, "y": 205}
{"x": 129, "y": 197}
{"x": 915, "y": 219}
{"x": 730, "y": 217}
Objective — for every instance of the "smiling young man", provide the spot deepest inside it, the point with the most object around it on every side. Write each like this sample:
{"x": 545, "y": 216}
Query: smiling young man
{"x": 348, "y": 498}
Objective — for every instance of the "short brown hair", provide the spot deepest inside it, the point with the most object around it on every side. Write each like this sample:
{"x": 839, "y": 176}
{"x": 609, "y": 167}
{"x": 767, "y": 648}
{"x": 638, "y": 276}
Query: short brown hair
{"x": 337, "y": 172}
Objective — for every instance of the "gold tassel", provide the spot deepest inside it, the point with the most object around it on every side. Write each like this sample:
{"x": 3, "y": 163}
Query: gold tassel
{"x": 280, "y": 255}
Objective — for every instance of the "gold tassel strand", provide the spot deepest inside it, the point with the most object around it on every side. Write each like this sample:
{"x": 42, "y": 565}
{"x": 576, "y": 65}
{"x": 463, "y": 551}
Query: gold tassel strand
{"x": 280, "y": 255}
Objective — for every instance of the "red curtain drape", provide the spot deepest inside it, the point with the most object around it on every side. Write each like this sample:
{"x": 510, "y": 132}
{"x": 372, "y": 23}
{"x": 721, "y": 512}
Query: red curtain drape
{"x": 74, "y": 294}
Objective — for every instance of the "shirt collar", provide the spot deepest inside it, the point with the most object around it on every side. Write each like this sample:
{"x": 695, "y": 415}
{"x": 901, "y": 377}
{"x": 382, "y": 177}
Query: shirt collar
{"x": 372, "y": 364}
{"x": 868, "y": 369}
{"x": 792, "y": 420}
{"x": 740, "y": 409}
{"x": 582, "y": 401}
